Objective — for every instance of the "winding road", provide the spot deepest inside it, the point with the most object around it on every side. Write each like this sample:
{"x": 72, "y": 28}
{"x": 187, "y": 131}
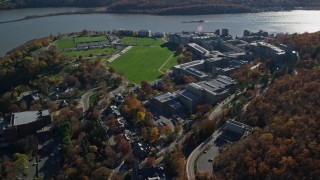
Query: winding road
{"x": 196, "y": 152}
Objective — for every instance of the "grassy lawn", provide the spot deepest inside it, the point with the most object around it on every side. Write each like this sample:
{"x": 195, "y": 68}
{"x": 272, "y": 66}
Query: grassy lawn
{"x": 172, "y": 62}
{"x": 70, "y": 42}
{"x": 142, "y": 41}
{"x": 141, "y": 63}
{"x": 94, "y": 98}
{"x": 58, "y": 71}
{"x": 89, "y": 39}
{"x": 65, "y": 43}
{"x": 109, "y": 51}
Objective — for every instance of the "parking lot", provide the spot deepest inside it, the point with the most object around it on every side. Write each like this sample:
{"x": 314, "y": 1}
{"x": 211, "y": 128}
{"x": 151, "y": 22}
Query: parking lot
{"x": 206, "y": 158}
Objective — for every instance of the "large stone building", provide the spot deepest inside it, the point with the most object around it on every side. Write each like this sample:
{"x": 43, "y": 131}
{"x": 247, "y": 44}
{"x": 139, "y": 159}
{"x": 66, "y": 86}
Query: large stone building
{"x": 197, "y": 50}
{"x": 21, "y": 124}
{"x": 205, "y": 69}
{"x": 167, "y": 103}
{"x": 281, "y": 55}
{"x": 210, "y": 92}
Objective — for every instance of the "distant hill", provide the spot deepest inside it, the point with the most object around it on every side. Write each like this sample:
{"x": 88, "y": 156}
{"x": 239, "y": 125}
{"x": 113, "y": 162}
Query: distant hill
{"x": 169, "y": 6}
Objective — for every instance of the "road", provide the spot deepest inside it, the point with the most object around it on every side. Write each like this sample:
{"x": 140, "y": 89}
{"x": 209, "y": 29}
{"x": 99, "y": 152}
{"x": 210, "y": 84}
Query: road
{"x": 219, "y": 109}
{"x": 84, "y": 101}
{"x": 196, "y": 152}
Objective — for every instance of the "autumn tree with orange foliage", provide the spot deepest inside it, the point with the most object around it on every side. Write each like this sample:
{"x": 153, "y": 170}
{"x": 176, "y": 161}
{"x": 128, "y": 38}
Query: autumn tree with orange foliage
{"x": 287, "y": 146}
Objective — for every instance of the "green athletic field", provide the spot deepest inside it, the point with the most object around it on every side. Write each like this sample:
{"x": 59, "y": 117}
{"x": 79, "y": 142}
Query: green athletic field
{"x": 141, "y": 63}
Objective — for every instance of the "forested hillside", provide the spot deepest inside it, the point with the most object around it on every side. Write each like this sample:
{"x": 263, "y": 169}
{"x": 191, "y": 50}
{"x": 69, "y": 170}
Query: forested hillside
{"x": 287, "y": 144}
{"x": 168, "y": 6}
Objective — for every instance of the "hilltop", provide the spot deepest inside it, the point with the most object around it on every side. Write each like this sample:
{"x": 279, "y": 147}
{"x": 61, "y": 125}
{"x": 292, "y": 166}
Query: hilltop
{"x": 168, "y": 7}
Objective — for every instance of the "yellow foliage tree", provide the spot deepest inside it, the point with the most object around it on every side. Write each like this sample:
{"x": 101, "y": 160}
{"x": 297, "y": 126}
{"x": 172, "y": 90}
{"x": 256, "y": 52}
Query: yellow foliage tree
{"x": 141, "y": 116}
{"x": 154, "y": 135}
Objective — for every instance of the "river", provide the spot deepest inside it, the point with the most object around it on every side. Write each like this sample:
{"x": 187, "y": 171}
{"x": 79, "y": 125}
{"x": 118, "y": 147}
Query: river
{"x": 15, "y": 33}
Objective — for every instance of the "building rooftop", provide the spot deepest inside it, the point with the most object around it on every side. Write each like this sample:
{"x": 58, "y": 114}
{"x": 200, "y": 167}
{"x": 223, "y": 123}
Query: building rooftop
{"x": 175, "y": 105}
{"x": 190, "y": 64}
{"x": 274, "y": 48}
{"x": 165, "y": 97}
{"x": 196, "y": 72}
{"x": 216, "y": 86}
{"x": 150, "y": 173}
{"x": 198, "y": 48}
{"x": 27, "y": 117}
{"x": 189, "y": 95}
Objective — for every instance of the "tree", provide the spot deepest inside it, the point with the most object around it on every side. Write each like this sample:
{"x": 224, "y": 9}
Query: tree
{"x": 146, "y": 87}
{"x": 141, "y": 116}
{"x": 154, "y": 134}
{"x": 111, "y": 70}
{"x": 93, "y": 149}
{"x": 118, "y": 80}
{"x": 202, "y": 110}
{"x": 23, "y": 105}
{"x": 131, "y": 105}
{"x": 124, "y": 147}
{"x": 167, "y": 129}
{"x": 21, "y": 163}
{"x": 101, "y": 173}
{"x": 181, "y": 48}
{"x": 150, "y": 161}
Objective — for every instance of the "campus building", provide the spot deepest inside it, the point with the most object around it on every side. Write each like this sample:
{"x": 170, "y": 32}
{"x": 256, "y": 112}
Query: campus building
{"x": 19, "y": 125}
{"x": 144, "y": 33}
{"x": 197, "y": 50}
{"x": 280, "y": 54}
{"x": 210, "y": 92}
{"x": 217, "y": 64}
{"x": 167, "y": 103}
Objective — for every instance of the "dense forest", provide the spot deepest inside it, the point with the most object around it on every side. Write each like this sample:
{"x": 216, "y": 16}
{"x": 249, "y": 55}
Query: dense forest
{"x": 286, "y": 145}
{"x": 168, "y": 6}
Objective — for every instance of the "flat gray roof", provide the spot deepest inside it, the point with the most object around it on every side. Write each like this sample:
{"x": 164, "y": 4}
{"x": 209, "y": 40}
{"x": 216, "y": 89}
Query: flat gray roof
{"x": 216, "y": 85}
{"x": 196, "y": 72}
{"x": 189, "y": 95}
{"x": 27, "y": 117}
{"x": 165, "y": 97}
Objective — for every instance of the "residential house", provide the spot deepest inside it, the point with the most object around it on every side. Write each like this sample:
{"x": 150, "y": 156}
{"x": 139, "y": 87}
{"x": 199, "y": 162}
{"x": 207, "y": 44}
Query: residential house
{"x": 148, "y": 173}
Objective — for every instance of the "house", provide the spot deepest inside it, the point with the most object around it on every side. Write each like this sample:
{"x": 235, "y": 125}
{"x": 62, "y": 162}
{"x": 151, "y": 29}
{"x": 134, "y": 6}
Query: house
{"x": 141, "y": 150}
{"x": 118, "y": 99}
{"x": 149, "y": 173}
{"x": 29, "y": 96}
{"x": 21, "y": 124}
{"x": 144, "y": 33}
